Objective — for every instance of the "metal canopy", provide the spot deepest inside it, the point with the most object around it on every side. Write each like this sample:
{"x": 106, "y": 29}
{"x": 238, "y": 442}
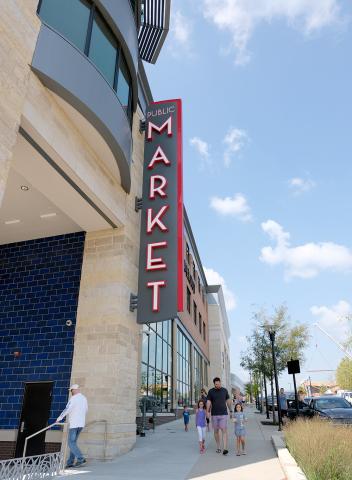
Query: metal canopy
{"x": 155, "y": 20}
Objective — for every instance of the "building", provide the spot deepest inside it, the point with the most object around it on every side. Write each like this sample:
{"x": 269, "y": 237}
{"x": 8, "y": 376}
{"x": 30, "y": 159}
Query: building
{"x": 238, "y": 387}
{"x": 73, "y": 93}
{"x": 219, "y": 334}
{"x": 72, "y": 97}
{"x": 175, "y": 353}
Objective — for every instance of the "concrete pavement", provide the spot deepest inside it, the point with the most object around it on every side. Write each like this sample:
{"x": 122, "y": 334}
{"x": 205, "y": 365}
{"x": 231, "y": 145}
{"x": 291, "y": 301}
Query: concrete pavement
{"x": 171, "y": 454}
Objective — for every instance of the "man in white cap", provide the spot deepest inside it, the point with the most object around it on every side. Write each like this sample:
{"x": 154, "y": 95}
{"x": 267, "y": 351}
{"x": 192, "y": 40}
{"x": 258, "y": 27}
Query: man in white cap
{"x": 76, "y": 410}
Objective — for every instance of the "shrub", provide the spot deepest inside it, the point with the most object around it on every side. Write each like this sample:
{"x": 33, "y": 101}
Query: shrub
{"x": 321, "y": 449}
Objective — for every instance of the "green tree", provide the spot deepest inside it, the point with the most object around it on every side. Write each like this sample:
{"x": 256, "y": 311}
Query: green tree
{"x": 290, "y": 342}
{"x": 344, "y": 374}
{"x": 322, "y": 389}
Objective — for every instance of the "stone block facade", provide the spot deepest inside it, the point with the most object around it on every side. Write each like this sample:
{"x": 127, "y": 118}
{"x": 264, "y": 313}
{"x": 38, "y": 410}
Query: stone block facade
{"x": 18, "y": 21}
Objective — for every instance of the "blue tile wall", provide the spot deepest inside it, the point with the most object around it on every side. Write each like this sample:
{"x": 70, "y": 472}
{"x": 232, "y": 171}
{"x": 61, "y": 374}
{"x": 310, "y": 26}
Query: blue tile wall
{"x": 39, "y": 287}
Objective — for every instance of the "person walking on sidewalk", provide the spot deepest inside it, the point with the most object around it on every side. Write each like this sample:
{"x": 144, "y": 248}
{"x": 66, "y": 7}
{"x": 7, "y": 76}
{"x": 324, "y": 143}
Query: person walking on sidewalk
{"x": 218, "y": 403}
{"x": 204, "y": 397}
{"x": 76, "y": 410}
{"x": 201, "y": 425}
{"x": 240, "y": 431}
{"x": 186, "y": 416}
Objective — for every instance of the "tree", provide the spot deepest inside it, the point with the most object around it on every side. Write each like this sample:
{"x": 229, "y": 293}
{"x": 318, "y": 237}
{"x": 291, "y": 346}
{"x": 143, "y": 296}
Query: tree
{"x": 290, "y": 342}
{"x": 344, "y": 374}
{"x": 322, "y": 389}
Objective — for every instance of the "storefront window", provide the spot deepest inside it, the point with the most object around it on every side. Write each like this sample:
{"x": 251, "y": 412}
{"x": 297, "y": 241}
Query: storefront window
{"x": 156, "y": 373}
{"x": 183, "y": 390}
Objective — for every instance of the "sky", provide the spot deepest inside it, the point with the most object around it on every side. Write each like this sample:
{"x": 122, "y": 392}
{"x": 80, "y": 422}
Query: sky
{"x": 267, "y": 95}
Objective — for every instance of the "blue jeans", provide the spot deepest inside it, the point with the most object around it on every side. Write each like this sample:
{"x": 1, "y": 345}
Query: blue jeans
{"x": 73, "y": 435}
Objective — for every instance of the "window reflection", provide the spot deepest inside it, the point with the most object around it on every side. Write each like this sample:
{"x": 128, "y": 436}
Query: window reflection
{"x": 69, "y": 17}
{"x": 156, "y": 364}
{"x": 183, "y": 389}
{"x": 80, "y": 22}
{"x": 103, "y": 48}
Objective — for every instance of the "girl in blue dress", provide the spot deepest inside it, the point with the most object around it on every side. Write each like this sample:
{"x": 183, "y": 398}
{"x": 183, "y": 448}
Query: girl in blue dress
{"x": 240, "y": 431}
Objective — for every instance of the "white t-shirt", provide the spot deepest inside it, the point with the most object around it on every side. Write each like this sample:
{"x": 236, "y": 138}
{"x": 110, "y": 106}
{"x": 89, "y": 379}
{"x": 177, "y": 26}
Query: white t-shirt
{"x": 76, "y": 409}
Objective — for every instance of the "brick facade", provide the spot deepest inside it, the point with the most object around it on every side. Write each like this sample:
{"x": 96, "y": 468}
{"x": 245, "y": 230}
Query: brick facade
{"x": 39, "y": 286}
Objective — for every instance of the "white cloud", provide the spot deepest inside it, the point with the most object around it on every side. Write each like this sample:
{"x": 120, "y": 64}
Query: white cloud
{"x": 241, "y": 17}
{"x": 235, "y": 206}
{"x": 304, "y": 261}
{"x": 300, "y": 185}
{"x": 234, "y": 140}
{"x": 180, "y": 34}
{"x": 334, "y": 319}
{"x": 202, "y": 148}
{"x": 214, "y": 278}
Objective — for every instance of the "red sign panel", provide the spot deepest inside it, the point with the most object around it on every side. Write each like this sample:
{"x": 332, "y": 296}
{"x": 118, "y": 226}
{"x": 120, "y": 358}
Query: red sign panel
{"x": 160, "y": 286}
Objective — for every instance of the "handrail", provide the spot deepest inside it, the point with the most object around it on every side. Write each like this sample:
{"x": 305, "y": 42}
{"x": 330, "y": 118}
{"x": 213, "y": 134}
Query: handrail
{"x": 37, "y": 433}
{"x": 65, "y": 440}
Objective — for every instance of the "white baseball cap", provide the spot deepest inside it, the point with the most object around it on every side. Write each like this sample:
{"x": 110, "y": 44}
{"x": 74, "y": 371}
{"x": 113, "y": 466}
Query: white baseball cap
{"x": 74, "y": 387}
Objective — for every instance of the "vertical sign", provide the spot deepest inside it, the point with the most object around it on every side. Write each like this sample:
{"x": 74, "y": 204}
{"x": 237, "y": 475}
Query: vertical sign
{"x": 160, "y": 285}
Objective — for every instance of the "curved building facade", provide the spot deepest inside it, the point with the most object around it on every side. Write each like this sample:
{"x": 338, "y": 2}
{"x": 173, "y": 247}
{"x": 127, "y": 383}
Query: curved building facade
{"x": 73, "y": 94}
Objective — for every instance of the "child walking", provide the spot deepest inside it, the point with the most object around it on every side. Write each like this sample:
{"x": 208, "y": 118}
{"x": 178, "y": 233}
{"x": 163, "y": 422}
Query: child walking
{"x": 186, "y": 416}
{"x": 201, "y": 424}
{"x": 240, "y": 431}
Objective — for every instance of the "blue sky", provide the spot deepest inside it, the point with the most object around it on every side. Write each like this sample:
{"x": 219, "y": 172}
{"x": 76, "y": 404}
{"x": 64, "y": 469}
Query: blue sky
{"x": 267, "y": 96}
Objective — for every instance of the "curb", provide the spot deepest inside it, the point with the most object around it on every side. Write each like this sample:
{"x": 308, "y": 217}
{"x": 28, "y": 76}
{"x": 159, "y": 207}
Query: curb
{"x": 288, "y": 463}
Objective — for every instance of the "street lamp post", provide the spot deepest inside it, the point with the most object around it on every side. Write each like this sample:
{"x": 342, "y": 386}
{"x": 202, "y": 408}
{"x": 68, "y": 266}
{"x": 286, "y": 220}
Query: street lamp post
{"x": 272, "y": 334}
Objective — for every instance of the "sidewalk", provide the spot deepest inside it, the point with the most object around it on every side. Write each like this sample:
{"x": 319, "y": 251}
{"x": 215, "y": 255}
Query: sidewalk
{"x": 171, "y": 454}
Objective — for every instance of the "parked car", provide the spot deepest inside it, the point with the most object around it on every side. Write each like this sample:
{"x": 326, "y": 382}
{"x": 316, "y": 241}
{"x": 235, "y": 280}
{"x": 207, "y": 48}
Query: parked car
{"x": 347, "y": 396}
{"x": 270, "y": 403}
{"x": 331, "y": 407}
{"x": 303, "y": 407}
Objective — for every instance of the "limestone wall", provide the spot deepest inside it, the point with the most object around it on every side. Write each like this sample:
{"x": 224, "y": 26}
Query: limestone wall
{"x": 19, "y": 28}
{"x": 107, "y": 345}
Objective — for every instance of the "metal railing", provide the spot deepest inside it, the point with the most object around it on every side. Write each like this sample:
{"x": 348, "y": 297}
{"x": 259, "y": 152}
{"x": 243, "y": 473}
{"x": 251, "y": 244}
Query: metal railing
{"x": 41, "y": 431}
{"x": 45, "y": 465}
{"x": 31, "y": 468}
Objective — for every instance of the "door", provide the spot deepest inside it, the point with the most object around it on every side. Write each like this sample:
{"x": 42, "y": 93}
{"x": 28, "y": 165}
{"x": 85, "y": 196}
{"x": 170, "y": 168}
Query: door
{"x": 34, "y": 416}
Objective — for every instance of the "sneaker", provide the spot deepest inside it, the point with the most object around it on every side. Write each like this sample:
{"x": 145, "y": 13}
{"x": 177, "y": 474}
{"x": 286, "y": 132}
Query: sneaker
{"x": 69, "y": 465}
{"x": 82, "y": 462}
{"x": 225, "y": 452}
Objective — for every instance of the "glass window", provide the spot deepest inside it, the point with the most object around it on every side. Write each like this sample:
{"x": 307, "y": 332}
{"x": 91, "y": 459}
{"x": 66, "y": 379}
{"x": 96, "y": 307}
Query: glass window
{"x": 165, "y": 360}
{"x": 145, "y": 348}
{"x": 103, "y": 48}
{"x": 152, "y": 341}
{"x": 159, "y": 353}
{"x": 188, "y": 300}
{"x": 204, "y": 335}
{"x": 151, "y": 381}
{"x": 195, "y": 313}
{"x": 170, "y": 361}
{"x": 124, "y": 85}
{"x": 144, "y": 380}
{"x": 159, "y": 328}
{"x": 187, "y": 252}
{"x": 68, "y": 17}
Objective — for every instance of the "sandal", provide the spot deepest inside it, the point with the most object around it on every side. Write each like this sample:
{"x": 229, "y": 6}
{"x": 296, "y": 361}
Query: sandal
{"x": 218, "y": 450}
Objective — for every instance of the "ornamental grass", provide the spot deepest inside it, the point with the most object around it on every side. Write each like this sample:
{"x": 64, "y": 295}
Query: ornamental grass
{"x": 321, "y": 449}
